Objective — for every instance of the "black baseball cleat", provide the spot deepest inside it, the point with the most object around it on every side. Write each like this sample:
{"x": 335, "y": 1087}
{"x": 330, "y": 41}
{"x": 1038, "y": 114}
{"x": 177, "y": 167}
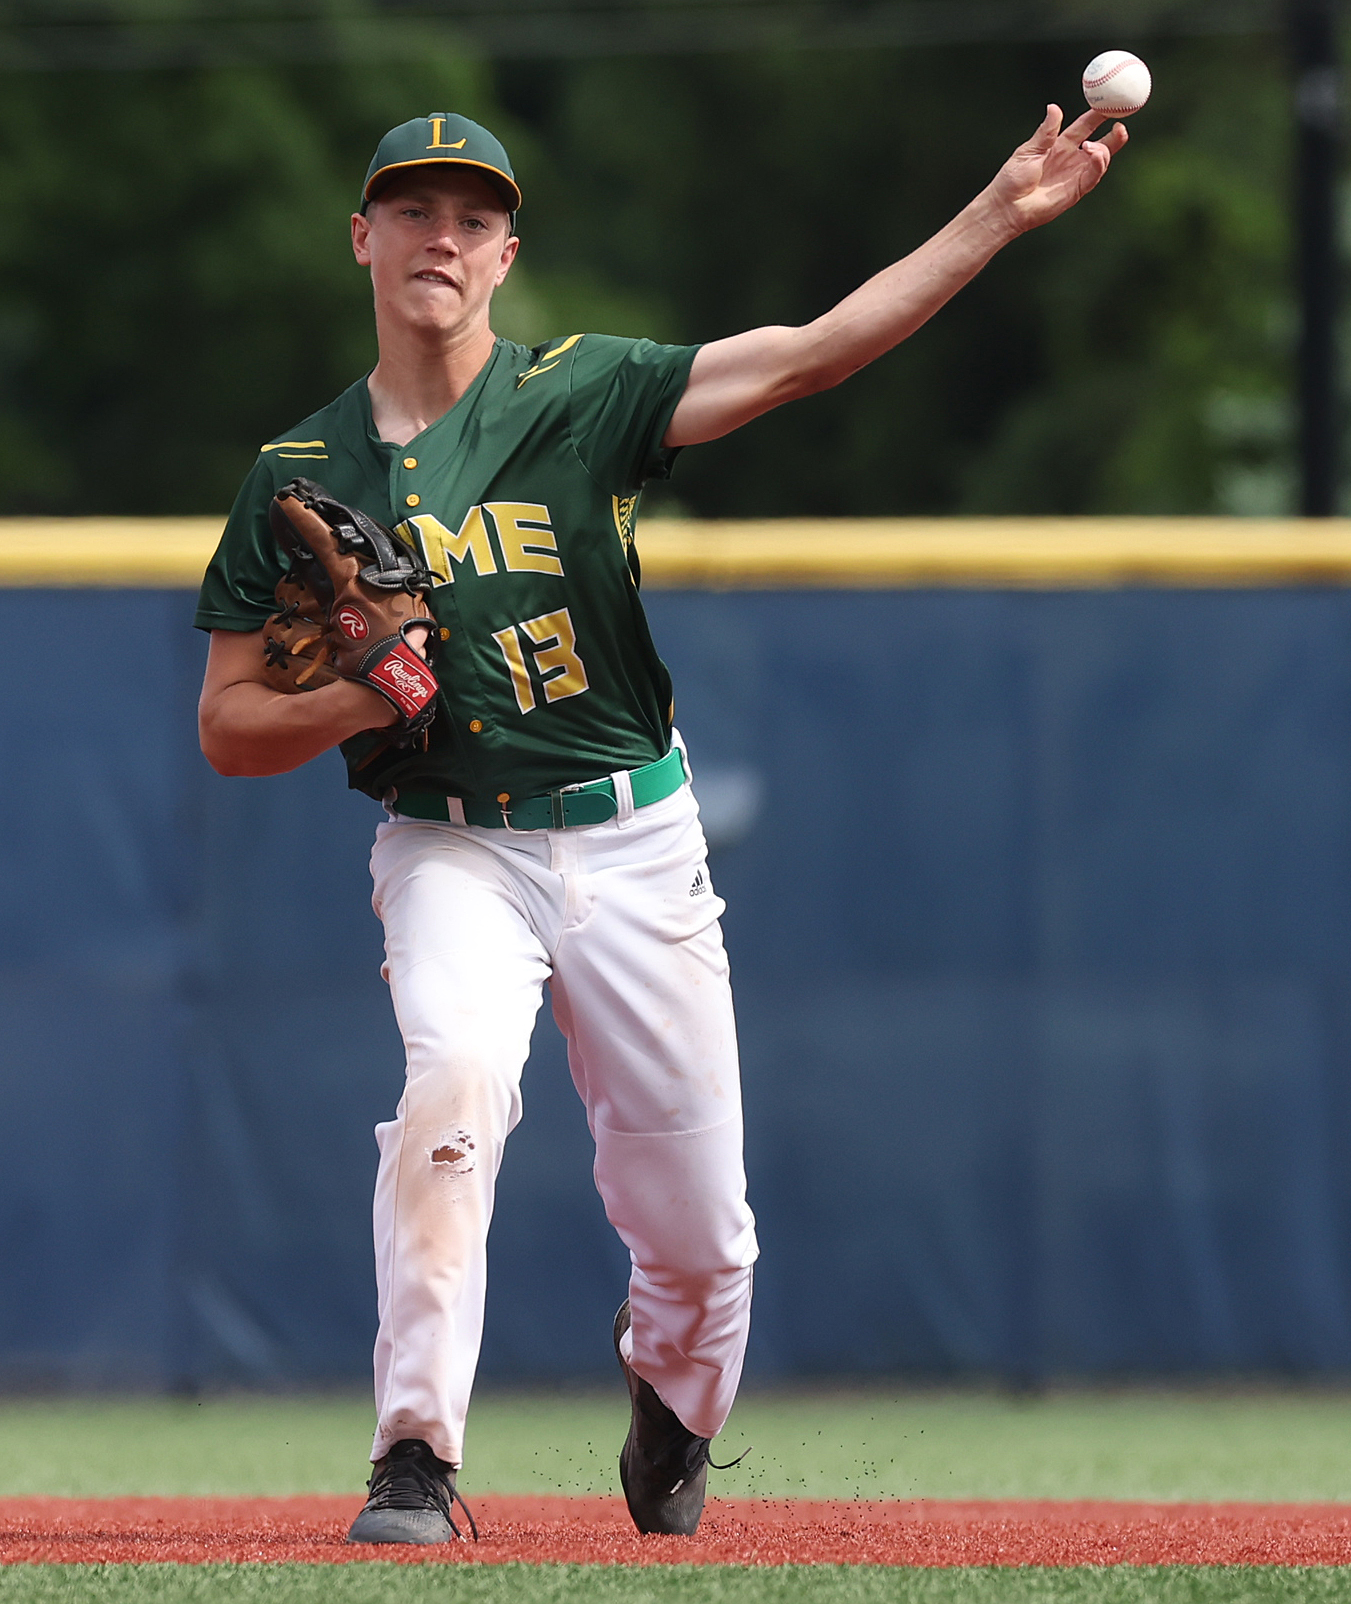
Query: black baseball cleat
{"x": 412, "y": 1499}
{"x": 663, "y": 1467}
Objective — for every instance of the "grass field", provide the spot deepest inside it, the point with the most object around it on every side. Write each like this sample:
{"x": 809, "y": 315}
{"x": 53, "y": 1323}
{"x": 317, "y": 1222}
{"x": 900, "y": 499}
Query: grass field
{"x": 1261, "y": 1445}
{"x": 675, "y": 1584}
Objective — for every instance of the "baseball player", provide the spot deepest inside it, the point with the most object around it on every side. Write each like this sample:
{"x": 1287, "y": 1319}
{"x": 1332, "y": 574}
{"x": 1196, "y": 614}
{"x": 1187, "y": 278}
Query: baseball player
{"x": 515, "y": 721}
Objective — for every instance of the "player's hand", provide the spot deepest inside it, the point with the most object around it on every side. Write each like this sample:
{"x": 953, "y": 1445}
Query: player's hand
{"x": 1054, "y": 169}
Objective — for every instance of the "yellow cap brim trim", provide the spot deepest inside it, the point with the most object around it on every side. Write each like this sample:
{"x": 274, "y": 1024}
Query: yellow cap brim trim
{"x": 367, "y": 194}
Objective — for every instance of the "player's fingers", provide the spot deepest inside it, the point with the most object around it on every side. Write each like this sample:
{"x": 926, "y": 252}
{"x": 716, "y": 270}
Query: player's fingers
{"x": 1100, "y": 156}
{"x": 1114, "y": 138}
{"x": 1082, "y": 127}
{"x": 1045, "y": 135}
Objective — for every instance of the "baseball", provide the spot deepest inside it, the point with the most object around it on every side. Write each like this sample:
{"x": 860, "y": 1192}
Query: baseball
{"x": 1116, "y": 83}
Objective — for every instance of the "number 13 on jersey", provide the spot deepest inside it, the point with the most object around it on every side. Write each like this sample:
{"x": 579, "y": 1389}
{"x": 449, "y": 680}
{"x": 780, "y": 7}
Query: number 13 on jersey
{"x": 552, "y": 643}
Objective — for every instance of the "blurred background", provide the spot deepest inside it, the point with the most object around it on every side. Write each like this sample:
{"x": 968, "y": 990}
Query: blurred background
{"x": 1039, "y": 897}
{"x": 175, "y": 276}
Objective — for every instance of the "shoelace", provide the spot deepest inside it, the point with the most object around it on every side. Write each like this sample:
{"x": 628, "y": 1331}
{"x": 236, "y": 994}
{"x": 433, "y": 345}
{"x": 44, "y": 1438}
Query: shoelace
{"x": 405, "y": 1481}
{"x": 685, "y": 1453}
{"x": 701, "y": 1456}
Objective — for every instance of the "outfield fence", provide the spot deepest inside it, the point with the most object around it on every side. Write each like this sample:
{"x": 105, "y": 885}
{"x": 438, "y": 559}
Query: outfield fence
{"x": 1036, "y": 838}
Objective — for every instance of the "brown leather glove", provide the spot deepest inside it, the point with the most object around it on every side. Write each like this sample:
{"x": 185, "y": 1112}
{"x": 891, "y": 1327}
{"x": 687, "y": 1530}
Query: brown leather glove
{"x": 365, "y": 585}
{"x": 296, "y": 643}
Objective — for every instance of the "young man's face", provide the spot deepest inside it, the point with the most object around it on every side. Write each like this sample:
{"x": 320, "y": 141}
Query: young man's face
{"x": 437, "y": 242}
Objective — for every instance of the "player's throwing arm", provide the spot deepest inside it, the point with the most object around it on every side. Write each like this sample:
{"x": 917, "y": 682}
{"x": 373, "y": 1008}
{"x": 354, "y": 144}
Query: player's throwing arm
{"x": 737, "y": 379}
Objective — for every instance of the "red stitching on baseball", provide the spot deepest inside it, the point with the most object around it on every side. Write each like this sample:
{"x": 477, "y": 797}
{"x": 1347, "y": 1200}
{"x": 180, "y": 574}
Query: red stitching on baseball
{"x": 1096, "y": 83}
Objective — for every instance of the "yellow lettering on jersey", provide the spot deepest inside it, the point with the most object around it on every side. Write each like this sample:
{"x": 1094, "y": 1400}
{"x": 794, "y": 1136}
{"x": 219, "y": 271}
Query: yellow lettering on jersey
{"x": 561, "y": 671}
{"x": 525, "y": 536}
{"x": 438, "y": 123}
{"x": 440, "y": 548}
{"x": 510, "y": 648}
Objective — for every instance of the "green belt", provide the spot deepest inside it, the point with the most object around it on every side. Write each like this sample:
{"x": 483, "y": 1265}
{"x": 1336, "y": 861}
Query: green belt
{"x": 563, "y": 809}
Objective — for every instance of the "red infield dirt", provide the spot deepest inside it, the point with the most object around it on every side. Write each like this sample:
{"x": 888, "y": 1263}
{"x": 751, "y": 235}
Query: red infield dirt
{"x": 596, "y": 1531}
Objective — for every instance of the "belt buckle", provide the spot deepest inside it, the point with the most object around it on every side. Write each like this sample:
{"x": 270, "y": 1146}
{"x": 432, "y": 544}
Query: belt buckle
{"x": 558, "y": 811}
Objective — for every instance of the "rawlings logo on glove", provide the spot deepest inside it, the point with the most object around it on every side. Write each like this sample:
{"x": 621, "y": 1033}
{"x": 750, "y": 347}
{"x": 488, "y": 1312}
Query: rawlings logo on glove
{"x": 352, "y": 623}
{"x": 352, "y": 607}
{"x": 406, "y": 680}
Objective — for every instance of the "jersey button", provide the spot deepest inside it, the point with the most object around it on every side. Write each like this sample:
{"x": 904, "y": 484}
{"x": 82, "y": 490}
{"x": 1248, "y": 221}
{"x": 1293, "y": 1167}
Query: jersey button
{"x": 475, "y": 725}
{"x": 410, "y": 462}
{"x": 412, "y": 501}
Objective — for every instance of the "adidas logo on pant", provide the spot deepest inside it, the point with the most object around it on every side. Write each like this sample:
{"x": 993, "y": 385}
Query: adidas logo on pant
{"x": 700, "y": 884}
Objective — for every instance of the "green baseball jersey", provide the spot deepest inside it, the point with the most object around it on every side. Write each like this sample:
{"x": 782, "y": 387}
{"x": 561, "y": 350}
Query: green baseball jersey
{"x": 521, "y": 500}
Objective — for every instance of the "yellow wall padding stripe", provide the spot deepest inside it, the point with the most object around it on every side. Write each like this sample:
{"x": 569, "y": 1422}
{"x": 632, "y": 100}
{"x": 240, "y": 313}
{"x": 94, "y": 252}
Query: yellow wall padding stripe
{"x": 130, "y": 552}
{"x": 1036, "y": 553}
{"x": 1031, "y": 553}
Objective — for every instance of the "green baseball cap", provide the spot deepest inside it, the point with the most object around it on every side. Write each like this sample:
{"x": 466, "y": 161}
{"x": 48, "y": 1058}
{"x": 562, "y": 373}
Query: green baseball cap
{"x": 442, "y": 137}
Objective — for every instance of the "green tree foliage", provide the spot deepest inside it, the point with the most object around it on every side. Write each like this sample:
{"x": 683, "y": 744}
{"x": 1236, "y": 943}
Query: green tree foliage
{"x": 176, "y": 283}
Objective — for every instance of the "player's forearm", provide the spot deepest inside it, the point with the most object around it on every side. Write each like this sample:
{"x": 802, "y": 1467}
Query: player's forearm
{"x": 246, "y": 729}
{"x": 735, "y": 380}
{"x": 891, "y": 305}
{"x": 738, "y": 379}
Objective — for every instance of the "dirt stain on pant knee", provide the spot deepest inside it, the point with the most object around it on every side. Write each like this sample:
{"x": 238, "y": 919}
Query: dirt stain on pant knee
{"x": 455, "y": 1154}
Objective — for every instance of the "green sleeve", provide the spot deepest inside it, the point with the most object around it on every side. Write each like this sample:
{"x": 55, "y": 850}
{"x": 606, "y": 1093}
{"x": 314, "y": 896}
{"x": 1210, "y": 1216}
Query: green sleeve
{"x": 622, "y": 395}
{"x": 241, "y": 579}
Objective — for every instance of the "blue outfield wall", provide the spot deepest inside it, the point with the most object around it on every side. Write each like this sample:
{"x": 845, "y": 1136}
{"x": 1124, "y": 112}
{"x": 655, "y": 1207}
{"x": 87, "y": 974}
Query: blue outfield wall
{"x": 1040, "y": 921}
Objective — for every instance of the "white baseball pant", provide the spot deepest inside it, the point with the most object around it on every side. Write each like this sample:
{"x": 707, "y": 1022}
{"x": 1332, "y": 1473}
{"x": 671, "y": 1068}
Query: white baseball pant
{"x": 620, "y": 918}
